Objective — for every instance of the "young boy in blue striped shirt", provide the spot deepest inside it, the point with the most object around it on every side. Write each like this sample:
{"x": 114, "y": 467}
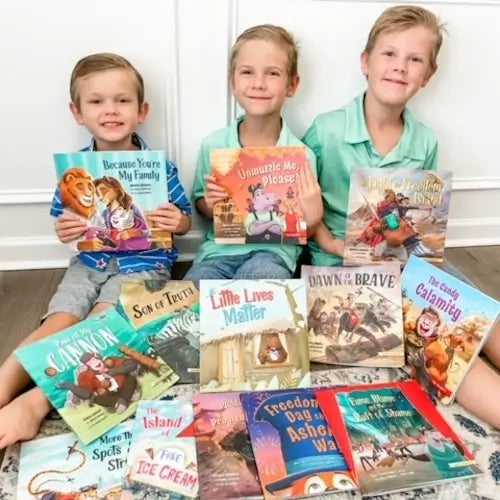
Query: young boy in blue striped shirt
{"x": 107, "y": 97}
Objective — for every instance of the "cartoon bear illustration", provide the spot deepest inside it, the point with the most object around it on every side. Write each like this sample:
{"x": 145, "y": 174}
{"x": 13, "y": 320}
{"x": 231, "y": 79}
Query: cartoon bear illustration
{"x": 271, "y": 349}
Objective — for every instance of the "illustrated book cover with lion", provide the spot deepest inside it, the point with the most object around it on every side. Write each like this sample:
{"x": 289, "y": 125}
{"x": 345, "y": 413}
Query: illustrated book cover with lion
{"x": 167, "y": 315}
{"x": 162, "y": 459}
{"x": 446, "y": 323}
{"x": 295, "y": 451}
{"x": 355, "y": 315}
{"x": 394, "y": 438}
{"x": 62, "y": 467}
{"x": 253, "y": 335}
{"x": 395, "y": 213}
{"x": 226, "y": 464}
{"x": 263, "y": 205}
{"x": 113, "y": 192}
{"x": 95, "y": 372}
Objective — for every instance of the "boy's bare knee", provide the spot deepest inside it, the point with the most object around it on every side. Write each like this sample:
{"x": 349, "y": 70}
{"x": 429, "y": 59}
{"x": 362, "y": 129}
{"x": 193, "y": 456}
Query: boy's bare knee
{"x": 52, "y": 324}
{"x": 100, "y": 307}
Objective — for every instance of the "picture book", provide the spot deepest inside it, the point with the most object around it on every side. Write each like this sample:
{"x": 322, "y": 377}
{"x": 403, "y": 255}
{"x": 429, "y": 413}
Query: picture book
{"x": 395, "y": 213}
{"x": 55, "y": 466}
{"x": 355, "y": 315}
{"x": 394, "y": 438}
{"x": 94, "y": 372}
{"x": 226, "y": 464}
{"x": 253, "y": 335}
{"x": 295, "y": 451}
{"x": 446, "y": 323}
{"x": 162, "y": 455}
{"x": 167, "y": 315}
{"x": 262, "y": 184}
{"x": 113, "y": 191}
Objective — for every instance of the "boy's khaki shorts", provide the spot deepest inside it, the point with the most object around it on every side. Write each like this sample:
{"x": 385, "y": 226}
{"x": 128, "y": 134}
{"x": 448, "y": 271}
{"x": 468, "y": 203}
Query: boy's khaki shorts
{"x": 83, "y": 287}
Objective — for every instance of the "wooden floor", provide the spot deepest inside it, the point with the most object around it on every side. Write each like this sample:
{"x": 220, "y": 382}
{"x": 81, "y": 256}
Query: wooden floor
{"x": 24, "y": 295}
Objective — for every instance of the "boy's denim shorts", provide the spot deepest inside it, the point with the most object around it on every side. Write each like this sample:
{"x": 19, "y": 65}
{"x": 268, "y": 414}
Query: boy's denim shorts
{"x": 83, "y": 287}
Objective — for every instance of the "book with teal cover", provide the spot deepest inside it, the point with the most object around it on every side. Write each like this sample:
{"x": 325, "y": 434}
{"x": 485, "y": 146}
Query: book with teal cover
{"x": 94, "y": 373}
{"x": 113, "y": 191}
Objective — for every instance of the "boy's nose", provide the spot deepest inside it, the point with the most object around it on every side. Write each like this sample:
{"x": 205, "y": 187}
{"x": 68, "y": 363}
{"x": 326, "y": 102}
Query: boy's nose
{"x": 401, "y": 65}
{"x": 259, "y": 81}
{"x": 110, "y": 107}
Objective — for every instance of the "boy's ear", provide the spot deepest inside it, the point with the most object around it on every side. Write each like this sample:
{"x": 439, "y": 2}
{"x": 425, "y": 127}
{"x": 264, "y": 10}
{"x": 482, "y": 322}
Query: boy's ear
{"x": 364, "y": 63}
{"x": 76, "y": 113}
{"x": 143, "y": 112}
{"x": 293, "y": 86}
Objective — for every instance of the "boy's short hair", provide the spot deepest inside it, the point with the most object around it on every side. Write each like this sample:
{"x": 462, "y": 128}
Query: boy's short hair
{"x": 403, "y": 17}
{"x": 102, "y": 62}
{"x": 271, "y": 33}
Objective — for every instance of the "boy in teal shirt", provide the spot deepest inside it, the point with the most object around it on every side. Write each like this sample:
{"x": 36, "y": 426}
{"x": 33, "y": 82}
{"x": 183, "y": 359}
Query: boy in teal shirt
{"x": 263, "y": 72}
{"x": 376, "y": 130}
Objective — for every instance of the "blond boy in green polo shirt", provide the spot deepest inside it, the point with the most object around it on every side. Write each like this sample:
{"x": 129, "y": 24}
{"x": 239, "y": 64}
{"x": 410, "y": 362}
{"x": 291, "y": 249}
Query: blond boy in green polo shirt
{"x": 376, "y": 130}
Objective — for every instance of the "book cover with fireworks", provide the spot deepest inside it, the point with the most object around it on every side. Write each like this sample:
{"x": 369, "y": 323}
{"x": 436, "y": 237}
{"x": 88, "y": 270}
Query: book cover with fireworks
{"x": 167, "y": 315}
{"x": 446, "y": 323}
{"x": 394, "y": 438}
{"x": 62, "y": 467}
{"x": 253, "y": 335}
{"x": 262, "y": 184}
{"x": 95, "y": 372}
{"x": 295, "y": 450}
{"x": 226, "y": 464}
{"x": 395, "y": 213}
{"x": 113, "y": 191}
{"x": 355, "y": 315}
{"x": 162, "y": 457}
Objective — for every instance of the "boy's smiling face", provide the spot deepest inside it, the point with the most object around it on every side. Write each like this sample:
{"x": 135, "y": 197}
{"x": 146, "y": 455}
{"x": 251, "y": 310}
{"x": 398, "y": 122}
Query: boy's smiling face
{"x": 399, "y": 65}
{"x": 109, "y": 108}
{"x": 260, "y": 81}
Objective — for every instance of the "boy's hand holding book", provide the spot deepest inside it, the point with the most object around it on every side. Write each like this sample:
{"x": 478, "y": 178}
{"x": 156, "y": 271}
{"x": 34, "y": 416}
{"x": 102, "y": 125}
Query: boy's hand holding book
{"x": 213, "y": 192}
{"x": 170, "y": 218}
{"x": 311, "y": 202}
{"x": 69, "y": 227}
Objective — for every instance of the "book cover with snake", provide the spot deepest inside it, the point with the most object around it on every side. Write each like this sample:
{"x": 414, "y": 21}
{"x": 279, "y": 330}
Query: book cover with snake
{"x": 263, "y": 188}
{"x": 394, "y": 213}
{"x": 95, "y": 372}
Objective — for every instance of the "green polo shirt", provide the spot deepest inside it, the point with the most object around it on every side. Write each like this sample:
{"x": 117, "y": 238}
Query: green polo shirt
{"x": 340, "y": 141}
{"x": 229, "y": 138}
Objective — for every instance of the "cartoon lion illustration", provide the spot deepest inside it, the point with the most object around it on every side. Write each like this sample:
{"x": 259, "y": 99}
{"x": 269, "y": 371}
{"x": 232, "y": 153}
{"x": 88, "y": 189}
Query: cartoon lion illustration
{"x": 78, "y": 192}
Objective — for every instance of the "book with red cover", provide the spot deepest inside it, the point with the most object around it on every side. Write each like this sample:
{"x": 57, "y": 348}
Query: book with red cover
{"x": 393, "y": 437}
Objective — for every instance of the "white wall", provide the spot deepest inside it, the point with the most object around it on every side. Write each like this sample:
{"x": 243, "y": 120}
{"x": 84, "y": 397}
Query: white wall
{"x": 181, "y": 47}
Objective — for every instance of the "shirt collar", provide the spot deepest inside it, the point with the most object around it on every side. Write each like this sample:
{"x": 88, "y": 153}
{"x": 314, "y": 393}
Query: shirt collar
{"x": 137, "y": 140}
{"x": 234, "y": 139}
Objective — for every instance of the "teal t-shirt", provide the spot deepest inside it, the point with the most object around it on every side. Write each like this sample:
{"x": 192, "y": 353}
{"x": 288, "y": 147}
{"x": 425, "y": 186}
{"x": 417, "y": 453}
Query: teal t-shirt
{"x": 228, "y": 138}
{"x": 340, "y": 141}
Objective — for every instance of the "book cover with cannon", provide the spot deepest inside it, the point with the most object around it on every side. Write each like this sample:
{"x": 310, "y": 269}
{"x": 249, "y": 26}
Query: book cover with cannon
{"x": 167, "y": 315}
{"x": 395, "y": 213}
{"x": 113, "y": 191}
{"x": 263, "y": 205}
{"x": 355, "y": 315}
{"x": 95, "y": 372}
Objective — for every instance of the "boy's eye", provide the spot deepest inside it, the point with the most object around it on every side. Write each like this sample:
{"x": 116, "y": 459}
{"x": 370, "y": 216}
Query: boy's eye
{"x": 389, "y": 53}
{"x": 274, "y": 73}
{"x": 417, "y": 59}
{"x": 245, "y": 72}
{"x": 124, "y": 99}
{"x": 94, "y": 101}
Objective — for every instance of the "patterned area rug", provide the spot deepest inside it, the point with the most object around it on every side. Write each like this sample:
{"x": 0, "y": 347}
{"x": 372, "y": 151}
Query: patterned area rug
{"x": 481, "y": 439}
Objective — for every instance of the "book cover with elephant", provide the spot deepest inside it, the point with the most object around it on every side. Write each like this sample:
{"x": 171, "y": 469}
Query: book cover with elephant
{"x": 61, "y": 466}
{"x": 167, "y": 315}
{"x": 446, "y": 324}
{"x": 263, "y": 205}
{"x": 253, "y": 335}
{"x": 113, "y": 192}
{"x": 394, "y": 438}
{"x": 394, "y": 213}
{"x": 95, "y": 372}
{"x": 355, "y": 315}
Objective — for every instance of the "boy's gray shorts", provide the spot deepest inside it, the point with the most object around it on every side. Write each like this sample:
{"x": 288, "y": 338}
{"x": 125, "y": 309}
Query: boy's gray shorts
{"x": 83, "y": 287}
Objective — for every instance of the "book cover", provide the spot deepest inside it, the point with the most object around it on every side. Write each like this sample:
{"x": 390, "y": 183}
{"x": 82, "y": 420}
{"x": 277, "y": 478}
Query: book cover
{"x": 395, "y": 213}
{"x": 295, "y": 450}
{"x": 394, "y": 438}
{"x": 113, "y": 191}
{"x": 62, "y": 467}
{"x": 355, "y": 315}
{"x": 226, "y": 464}
{"x": 446, "y": 323}
{"x": 95, "y": 372}
{"x": 263, "y": 205}
{"x": 253, "y": 335}
{"x": 162, "y": 457}
{"x": 167, "y": 315}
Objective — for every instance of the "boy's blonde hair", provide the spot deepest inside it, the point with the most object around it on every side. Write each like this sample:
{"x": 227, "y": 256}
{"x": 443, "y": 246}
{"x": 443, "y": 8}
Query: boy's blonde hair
{"x": 102, "y": 62}
{"x": 270, "y": 33}
{"x": 403, "y": 17}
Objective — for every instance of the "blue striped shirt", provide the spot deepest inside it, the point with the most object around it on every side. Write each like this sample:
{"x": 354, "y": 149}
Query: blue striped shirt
{"x": 131, "y": 262}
